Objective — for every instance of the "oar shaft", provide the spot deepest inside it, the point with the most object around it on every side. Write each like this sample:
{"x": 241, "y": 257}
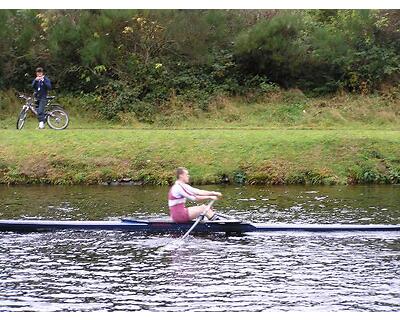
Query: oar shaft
{"x": 199, "y": 218}
{"x": 226, "y": 217}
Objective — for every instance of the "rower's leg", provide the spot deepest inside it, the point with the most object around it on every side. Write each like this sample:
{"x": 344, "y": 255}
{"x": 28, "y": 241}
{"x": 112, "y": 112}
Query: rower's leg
{"x": 210, "y": 213}
{"x": 194, "y": 212}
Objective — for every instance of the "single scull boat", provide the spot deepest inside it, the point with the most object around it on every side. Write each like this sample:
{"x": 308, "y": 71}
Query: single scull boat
{"x": 167, "y": 226}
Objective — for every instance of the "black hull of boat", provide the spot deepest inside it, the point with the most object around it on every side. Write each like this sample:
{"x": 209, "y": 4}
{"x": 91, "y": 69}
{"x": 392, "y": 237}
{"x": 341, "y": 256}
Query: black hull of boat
{"x": 144, "y": 226}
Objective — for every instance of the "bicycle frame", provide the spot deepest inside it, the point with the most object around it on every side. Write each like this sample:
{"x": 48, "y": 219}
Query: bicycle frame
{"x": 30, "y": 105}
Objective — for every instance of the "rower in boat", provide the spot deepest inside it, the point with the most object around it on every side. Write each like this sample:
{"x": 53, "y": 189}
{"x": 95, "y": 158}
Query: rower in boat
{"x": 180, "y": 191}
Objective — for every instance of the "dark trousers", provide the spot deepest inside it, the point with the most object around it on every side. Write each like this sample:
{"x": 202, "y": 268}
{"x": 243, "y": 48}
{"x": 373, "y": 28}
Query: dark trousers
{"x": 41, "y": 103}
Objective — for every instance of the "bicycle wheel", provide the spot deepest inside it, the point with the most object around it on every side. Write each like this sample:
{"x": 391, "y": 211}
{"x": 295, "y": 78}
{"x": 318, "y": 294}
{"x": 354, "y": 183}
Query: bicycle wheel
{"x": 57, "y": 118}
{"x": 21, "y": 119}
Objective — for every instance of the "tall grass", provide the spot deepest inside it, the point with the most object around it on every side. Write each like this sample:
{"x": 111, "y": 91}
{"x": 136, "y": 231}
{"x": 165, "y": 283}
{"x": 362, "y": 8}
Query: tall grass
{"x": 280, "y": 109}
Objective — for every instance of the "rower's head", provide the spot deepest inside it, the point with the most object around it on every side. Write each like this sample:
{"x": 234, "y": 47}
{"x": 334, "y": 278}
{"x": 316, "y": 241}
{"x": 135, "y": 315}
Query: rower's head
{"x": 182, "y": 174}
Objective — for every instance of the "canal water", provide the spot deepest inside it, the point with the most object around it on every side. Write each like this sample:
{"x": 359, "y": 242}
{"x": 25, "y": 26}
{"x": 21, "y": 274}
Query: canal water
{"x": 117, "y": 271}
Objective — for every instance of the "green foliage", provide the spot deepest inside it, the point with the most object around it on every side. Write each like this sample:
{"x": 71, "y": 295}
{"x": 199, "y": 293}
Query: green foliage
{"x": 366, "y": 174}
{"x": 138, "y": 60}
{"x": 272, "y": 47}
{"x": 118, "y": 96}
{"x": 239, "y": 177}
{"x": 322, "y": 51}
{"x": 394, "y": 175}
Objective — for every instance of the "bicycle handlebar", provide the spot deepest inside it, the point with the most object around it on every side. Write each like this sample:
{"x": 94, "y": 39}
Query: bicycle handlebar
{"x": 22, "y": 96}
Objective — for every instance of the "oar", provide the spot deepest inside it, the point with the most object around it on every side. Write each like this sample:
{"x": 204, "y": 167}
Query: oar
{"x": 226, "y": 217}
{"x": 199, "y": 218}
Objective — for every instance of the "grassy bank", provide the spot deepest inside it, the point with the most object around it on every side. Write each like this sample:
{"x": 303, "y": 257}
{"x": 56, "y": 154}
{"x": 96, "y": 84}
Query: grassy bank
{"x": 213, "y": 156}
{"x": 328, "y": 140}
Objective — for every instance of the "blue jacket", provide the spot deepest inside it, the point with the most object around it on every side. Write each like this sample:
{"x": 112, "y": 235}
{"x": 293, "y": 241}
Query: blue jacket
{"x": 41, "y": 87}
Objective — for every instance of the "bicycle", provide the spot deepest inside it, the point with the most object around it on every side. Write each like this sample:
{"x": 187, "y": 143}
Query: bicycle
{"x": 56, "y": 117}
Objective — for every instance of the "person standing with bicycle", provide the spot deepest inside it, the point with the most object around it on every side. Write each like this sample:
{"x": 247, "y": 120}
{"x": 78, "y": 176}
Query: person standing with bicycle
{"x": 41, "y": 84}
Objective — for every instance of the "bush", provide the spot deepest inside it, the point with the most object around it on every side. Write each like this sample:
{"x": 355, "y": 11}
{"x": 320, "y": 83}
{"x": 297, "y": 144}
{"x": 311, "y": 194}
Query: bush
{"x": 272, "y": 48}
{"x": 126, "y": 56}
{"x": 117, "y": 97}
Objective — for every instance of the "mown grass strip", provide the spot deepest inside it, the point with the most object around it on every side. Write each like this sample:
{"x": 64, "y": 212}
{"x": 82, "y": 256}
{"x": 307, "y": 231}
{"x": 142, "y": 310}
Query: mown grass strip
{"x": 213, "y": 156}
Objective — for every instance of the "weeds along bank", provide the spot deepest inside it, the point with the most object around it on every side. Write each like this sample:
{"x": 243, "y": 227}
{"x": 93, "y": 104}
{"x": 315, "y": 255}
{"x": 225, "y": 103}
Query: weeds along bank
{"x": 213, "y": 156}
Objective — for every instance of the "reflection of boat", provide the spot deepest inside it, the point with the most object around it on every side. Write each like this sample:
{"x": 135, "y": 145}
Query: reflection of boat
{"x": 167, "y": 226}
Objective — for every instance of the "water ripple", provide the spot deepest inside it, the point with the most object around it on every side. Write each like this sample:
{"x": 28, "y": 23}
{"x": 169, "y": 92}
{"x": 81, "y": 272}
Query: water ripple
{"x": 89, "y": 271}
{"x": 117, "y": 271}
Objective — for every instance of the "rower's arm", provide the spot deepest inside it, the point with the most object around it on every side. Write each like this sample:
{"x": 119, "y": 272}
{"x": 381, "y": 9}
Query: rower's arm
{"x": 206, "y": 197}
{"x": 196, "y": 194}
{"x": 207, "y": 193}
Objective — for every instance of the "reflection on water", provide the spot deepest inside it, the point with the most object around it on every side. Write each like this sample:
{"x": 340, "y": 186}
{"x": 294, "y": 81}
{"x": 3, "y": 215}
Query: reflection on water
{"x": 88, "y": 271}
{"x": 292, "y": 204}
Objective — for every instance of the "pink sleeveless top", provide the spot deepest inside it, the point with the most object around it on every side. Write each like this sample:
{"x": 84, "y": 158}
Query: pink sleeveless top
{"x": 177, "y": 196}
